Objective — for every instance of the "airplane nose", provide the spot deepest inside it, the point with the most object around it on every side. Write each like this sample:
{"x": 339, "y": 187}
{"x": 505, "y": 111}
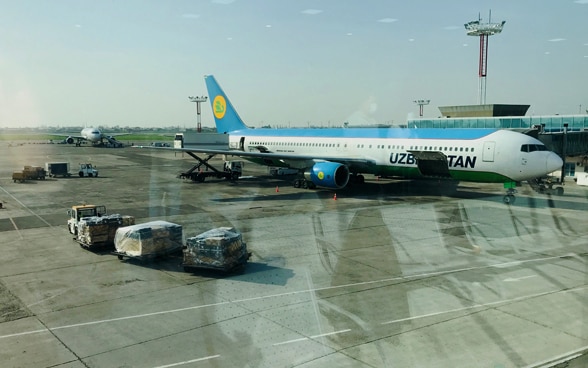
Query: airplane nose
{"x": 554, "y": 162}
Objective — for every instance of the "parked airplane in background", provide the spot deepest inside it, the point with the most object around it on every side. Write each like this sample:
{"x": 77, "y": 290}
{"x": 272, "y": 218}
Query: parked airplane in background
{"x": 94, "y": 136}
{"x": 332, "y": 158}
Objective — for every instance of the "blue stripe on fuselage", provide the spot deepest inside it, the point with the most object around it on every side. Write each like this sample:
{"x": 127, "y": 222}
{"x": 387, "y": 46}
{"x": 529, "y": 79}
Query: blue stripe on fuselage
{"x": 406, "y": 133}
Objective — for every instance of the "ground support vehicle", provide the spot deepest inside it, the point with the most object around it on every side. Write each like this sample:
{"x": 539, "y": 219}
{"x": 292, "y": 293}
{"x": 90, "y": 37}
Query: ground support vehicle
{"x": 221, "y": 249}
{"x": 148, "y": 241}
{"x": 78, "y": 212}
{"x": 57, "y": 169}
{"x": 19, "y": 176}
{"x": 232, "y": 170}
{"x": 98, "y": 232}
{"x": 546, "y": 186}
{"x": 87, "y": 170}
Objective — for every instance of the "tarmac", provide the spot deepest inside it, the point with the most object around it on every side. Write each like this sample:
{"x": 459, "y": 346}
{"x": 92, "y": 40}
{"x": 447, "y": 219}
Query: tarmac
{"x": 393, "y": 273}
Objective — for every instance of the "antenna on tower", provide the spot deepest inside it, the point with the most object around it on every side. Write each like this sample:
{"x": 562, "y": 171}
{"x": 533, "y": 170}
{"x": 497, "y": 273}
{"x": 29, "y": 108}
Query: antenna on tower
{"x": 483, "y": 30}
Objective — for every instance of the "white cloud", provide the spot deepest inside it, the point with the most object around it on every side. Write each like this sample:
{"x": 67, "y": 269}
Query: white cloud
{"x": 387, "y": 20}
{"x": 581, "y": 1}
{"x": 190, "y": 16}
{"x": 311, "y": 11}
{"x": 557, "y": 39}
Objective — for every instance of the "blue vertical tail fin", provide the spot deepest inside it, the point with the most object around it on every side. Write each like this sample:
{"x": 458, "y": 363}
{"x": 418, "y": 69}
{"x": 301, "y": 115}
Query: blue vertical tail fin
{"x": 225, "y": 116}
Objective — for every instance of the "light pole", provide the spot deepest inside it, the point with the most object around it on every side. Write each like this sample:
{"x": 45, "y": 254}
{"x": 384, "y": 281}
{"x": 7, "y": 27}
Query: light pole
{"x": 483, "y": 30}
{"x": 198, "y": 100}
{"x": 421, "y": 103}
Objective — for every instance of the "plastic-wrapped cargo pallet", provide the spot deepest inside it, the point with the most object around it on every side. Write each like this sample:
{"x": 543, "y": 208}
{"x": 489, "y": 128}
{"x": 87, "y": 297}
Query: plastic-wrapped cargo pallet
{"x": 220, "y": 248}
{"x": 101, "y": 230}
{"x": 149, "y": 239}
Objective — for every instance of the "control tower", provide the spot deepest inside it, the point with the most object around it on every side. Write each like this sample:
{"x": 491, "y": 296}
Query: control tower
{"x": 483, "y": 30}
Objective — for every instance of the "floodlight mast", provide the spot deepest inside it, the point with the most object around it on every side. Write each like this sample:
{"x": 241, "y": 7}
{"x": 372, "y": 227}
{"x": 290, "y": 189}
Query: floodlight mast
{"x": 483, "y": 30}
{"x": 421, "y": 103}
{"x": 198, "y": 100}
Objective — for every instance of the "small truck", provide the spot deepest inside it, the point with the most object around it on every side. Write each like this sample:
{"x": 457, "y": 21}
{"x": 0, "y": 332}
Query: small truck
{"x": 93, "y": 228}
{"x": 78, "y": 212}
{"x": 87, "y": 170}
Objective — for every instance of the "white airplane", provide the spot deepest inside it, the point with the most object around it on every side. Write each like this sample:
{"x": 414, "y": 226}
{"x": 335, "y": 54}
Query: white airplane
{"x": 331, "y": 158}
{"x": 94, "y": 136}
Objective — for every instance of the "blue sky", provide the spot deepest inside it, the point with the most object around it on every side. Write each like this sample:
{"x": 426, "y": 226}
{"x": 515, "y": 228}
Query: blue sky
{"x": 284, "y": 63}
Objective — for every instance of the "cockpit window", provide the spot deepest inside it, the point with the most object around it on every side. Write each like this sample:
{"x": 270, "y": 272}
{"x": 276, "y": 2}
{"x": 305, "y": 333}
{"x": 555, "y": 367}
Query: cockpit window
{"x": 533, "y": 147}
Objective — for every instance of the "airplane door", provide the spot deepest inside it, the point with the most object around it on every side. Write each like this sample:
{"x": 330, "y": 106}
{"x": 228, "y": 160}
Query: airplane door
{"x": 488, "y": 154}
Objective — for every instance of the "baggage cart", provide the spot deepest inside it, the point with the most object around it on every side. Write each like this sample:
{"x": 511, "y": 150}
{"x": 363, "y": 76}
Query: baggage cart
{"x": 220, "y": 249}
{"x": 148, "y": 241}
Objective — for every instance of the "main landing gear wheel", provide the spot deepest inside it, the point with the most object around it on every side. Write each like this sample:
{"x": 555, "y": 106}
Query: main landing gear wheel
{"x": 303, "y": 183}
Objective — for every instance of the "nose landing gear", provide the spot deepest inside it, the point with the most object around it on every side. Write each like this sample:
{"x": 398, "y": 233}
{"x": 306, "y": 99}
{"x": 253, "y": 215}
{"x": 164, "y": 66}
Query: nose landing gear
{"x": 509, "y": 198}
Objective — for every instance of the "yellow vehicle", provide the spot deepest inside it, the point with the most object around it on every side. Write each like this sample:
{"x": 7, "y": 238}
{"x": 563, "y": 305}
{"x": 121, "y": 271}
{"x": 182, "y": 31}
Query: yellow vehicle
{"x": 76, "y": 213}
{"x": 19, "y": 176}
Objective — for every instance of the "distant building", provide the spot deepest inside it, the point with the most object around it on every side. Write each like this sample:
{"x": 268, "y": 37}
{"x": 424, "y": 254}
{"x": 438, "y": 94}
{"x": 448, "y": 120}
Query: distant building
{"x": 468, "y": 111}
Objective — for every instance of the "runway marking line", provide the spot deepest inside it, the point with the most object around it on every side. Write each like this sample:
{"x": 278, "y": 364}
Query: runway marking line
{"x": 28, "y": 209}
{"x": 311, "y": 337}
{"x": 293, "y": 293}
{"x": 478, "y": 305}
{"x": 188, "y": 361}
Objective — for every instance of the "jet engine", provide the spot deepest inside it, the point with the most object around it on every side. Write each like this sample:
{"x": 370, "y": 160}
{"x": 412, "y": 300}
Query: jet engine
{"x": 69, "y": 140}
{"x": 328, "y": 175}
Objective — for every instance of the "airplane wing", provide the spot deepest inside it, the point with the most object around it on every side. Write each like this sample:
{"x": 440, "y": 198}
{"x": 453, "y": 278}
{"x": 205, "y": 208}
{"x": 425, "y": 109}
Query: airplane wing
{"x": 69, "y": 138}
{"x": 277, "y": 158}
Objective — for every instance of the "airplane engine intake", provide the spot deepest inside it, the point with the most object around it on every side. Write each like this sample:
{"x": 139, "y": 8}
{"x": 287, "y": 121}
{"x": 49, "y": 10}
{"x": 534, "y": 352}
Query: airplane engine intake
{"x": 328, "y": 175}
{"x": 69, "y": 140}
